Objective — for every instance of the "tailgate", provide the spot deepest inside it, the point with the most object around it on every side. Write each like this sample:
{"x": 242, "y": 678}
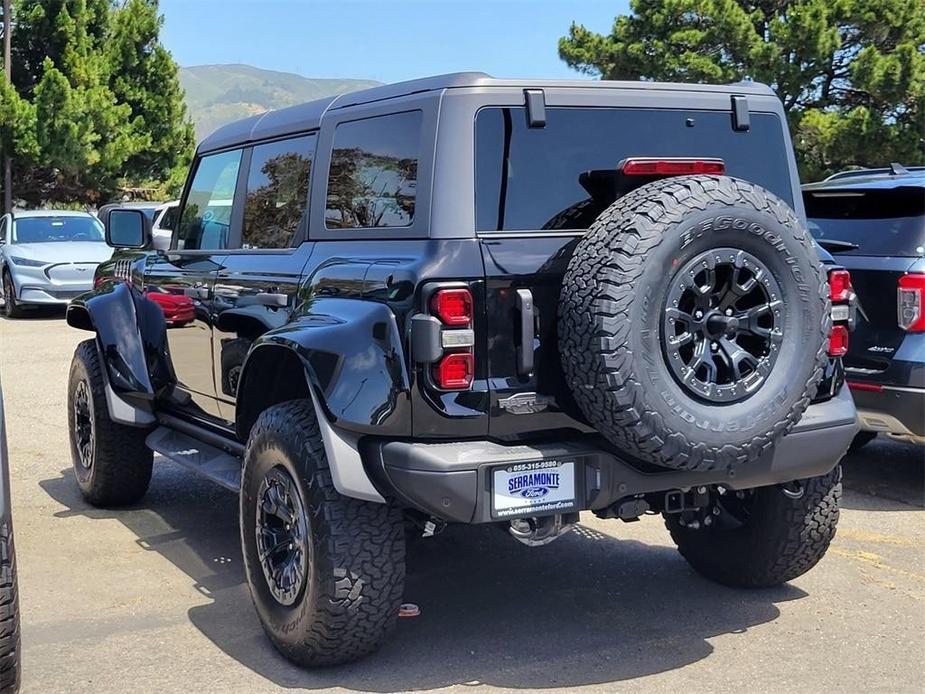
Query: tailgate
{"x": 526, "y": 398}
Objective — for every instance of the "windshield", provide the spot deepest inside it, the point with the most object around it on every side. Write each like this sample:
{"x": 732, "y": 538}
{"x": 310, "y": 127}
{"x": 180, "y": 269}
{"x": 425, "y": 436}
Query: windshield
{"x": 888, "y": 222}
{"x": 64, "y": 228}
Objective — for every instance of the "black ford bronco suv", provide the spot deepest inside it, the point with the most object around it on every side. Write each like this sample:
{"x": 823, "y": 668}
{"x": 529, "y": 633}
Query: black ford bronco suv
{"x": 470, "y": 300}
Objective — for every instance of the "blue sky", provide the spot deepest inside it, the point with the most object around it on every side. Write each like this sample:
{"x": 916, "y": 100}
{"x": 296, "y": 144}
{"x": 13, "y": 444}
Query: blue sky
{"x": 388, "y": 40}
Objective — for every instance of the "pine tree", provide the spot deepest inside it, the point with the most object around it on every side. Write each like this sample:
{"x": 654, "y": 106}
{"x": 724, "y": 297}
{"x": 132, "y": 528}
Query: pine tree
{"x": 850, "y": 73}
{"x": 100, "y": 96}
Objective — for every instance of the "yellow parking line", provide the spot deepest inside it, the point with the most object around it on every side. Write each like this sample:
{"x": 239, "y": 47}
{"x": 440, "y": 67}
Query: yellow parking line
{"x": 877, "y": 538}
{"x": 874, "y": 560}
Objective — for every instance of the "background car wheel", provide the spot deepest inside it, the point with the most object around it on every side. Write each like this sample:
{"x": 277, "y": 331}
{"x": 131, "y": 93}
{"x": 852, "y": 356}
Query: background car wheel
{"x": 763, "y": 537}
{"x": 111, "y": 462}
{"x": 861, "y": 439}
{"x": 11, "y": 308}
{"x": 326, "y": 572}
{"x": 9, "y": 614}
{"x": 693, "y": 322}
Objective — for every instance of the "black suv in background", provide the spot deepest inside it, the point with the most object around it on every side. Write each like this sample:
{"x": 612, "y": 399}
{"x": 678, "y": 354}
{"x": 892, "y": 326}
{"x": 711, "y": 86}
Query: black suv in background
{"x": 470, "y": 300}
{"x": 873, "y": 221}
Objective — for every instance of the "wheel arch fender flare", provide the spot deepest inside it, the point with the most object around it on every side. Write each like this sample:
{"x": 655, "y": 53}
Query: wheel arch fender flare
{"x": 132, "y": 337}
{"x": 350, "y": 353}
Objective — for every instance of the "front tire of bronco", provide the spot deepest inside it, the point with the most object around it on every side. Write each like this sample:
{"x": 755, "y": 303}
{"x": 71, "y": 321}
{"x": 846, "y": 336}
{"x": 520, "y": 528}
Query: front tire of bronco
{"x": 112, "y": 464}
{"x": 763, "y": 537}
{"x": 326, "y": 572}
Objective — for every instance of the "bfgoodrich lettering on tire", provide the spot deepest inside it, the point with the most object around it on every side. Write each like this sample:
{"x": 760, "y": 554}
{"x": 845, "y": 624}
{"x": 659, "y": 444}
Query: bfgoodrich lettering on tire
{"x": 693, "y": 322}
{"x": 326, "y": 572}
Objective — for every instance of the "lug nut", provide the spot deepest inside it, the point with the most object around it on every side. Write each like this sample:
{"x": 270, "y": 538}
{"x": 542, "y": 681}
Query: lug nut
{"x": 728, "y": 311}
{"x": 698, "y": 314}
{"x": 701, "y": 490}
{"x": 714, "y": 346}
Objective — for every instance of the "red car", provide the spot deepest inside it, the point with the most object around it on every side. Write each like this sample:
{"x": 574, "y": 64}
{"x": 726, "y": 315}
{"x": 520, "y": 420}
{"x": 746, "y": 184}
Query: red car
{"x": 178, "y": 309}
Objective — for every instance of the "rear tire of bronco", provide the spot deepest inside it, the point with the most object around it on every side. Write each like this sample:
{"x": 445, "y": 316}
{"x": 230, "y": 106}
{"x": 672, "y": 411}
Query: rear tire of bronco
{"x": 693, "y": 322}
{"x": 112, "y": 464}
{"x": 326, "y": 572}
{"x": 766, "y": 536}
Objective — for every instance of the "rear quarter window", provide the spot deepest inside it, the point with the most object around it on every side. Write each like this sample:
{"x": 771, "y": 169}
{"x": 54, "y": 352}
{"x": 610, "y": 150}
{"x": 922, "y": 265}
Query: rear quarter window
{"x": 880, "y": 222}
{"x": 531, "y": 178}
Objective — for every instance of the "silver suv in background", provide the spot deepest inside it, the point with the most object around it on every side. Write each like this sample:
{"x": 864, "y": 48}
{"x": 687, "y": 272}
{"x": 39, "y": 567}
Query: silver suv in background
{"x": 165, "y": 219}
{"x": 48, "y": 257}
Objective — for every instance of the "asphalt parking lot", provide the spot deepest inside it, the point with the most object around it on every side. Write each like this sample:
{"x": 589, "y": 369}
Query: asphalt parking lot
{"x": 152, "y": 598}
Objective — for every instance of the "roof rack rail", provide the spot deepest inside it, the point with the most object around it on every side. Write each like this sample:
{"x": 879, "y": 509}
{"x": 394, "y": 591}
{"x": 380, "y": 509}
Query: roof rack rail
{"x": 894, "y": 169}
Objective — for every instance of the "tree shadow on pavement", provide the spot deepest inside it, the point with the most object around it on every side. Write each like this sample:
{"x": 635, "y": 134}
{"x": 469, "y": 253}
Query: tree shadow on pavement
{"x": 885, "y": 475}
{"x": 589, "y": 609}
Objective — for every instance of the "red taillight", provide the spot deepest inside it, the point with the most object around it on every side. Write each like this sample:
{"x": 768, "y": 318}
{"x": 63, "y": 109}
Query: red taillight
{"x": 910, "y": 302}
{"x": 870, "y": 387}
{"x": 671, "y": 167}
{"x": 452, "y": 306}
{"x": 838, "y": 341}
{"x": 840, "y": 288}
{"x": 454, "y": 371}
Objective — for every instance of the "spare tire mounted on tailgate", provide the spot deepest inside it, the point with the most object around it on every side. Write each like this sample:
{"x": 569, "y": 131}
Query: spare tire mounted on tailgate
{"x": 693, "y": 322}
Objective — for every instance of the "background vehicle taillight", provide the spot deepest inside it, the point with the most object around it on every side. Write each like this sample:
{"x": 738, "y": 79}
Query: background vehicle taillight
{"x": 910, "y": 302}
{"x": 843, "y": 298}
{"x": 455, "y": 370}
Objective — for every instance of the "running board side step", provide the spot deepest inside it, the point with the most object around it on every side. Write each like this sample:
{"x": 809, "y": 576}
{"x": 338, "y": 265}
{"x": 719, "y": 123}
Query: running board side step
{"x": 200, "y": 457}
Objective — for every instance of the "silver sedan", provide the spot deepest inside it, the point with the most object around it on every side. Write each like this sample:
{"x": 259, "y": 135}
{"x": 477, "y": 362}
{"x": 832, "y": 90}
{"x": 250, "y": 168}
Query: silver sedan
{"x": 48, "y": 257}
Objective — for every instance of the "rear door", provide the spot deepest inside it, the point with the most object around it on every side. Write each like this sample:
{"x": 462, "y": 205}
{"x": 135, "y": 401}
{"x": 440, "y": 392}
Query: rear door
{"x": 881, "y": 232}
{"x": 257, "y": 286}
{"x": 188, "y": 272}
{"x": 537, "y": 191}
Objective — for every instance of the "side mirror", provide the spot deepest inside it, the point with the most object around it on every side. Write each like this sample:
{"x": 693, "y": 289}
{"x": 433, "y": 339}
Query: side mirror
{"x": 127, "y": 228}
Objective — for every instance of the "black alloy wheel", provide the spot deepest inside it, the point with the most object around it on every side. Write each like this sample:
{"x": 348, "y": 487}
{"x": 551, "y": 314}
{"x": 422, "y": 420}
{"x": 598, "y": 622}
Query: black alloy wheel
{"x": 282, "y": 536}
{"x": 83, "y": 424}
{"x": 722, "y": 325}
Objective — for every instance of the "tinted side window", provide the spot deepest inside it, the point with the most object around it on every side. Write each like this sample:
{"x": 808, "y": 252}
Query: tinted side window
{"x": 206, "y": 218}
{"x": 277, "y": 191}
{"x": 562, "y": 176}
{"x": 373, "y": 177}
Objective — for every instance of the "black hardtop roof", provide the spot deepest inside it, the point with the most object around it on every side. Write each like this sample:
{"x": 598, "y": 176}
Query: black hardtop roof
{"x": 306, "y": 117}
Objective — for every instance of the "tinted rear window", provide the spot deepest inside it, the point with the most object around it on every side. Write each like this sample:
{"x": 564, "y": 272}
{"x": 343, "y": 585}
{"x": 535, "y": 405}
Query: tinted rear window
{"x": 885, "y": 222}
{"x": 528, "y": 178}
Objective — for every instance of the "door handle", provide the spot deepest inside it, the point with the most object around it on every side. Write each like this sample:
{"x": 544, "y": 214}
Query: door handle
{"x": 527, "y": 332}
{"x": 272, "y": 299}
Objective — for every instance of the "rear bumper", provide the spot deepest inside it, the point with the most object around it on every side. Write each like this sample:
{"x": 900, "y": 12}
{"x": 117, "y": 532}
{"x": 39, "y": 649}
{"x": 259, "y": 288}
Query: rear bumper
{"x": 894, "y": 410}
{"x": 452, "y": 481}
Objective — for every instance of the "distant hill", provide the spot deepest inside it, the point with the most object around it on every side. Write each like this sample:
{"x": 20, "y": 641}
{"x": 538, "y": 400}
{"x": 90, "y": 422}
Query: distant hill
{"x": 220, "y": 94}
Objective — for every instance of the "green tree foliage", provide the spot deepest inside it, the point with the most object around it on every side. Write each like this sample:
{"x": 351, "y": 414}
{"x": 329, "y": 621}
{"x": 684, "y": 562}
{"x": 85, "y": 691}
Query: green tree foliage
{"x": 96, "y": 103}
{"x": 850, "y": 73}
